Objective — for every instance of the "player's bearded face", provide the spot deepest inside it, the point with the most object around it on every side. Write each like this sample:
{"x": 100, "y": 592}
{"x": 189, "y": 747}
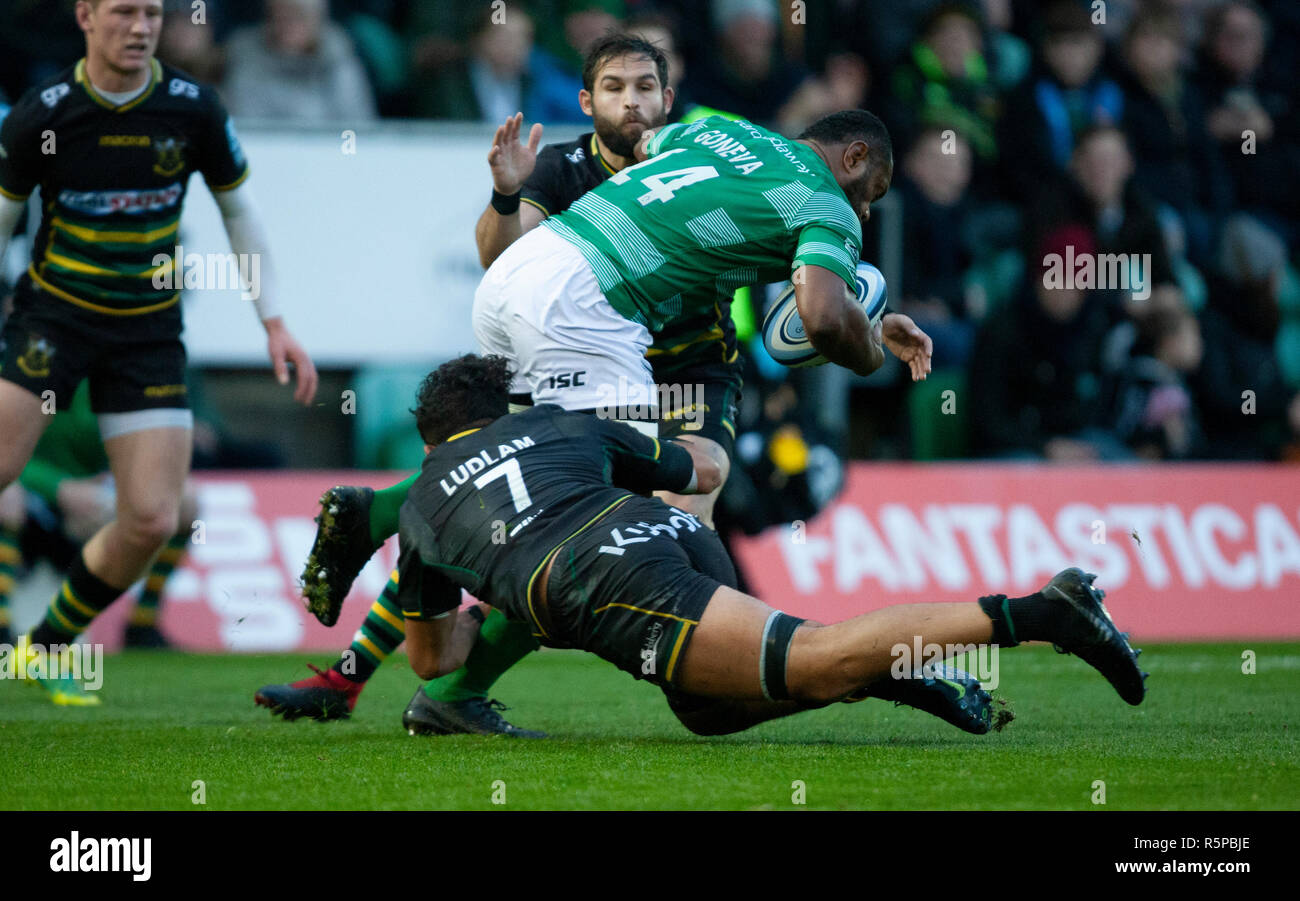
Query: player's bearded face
{"x": 626, "y": 100}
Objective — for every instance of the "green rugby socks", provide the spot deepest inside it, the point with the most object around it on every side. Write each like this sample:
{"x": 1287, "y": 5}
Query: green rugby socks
{"x": 501, "y": 644}
{"x": 384, "y": 509}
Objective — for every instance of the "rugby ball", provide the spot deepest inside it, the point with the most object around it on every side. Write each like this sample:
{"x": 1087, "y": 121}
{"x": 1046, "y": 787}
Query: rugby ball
{"x": 783, "y": 333}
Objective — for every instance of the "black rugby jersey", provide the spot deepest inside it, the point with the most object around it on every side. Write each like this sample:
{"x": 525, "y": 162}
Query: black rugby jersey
{"x": 490, "y": 504}
{"x": 564, "y": 172}
{"x": 113, "y": 179}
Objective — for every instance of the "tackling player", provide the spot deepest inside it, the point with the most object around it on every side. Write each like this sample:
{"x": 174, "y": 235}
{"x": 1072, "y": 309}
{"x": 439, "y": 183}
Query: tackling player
{"x": 112, "y": 142}
{"x": 594, "y": 566}
{"x": 626, "y": 92}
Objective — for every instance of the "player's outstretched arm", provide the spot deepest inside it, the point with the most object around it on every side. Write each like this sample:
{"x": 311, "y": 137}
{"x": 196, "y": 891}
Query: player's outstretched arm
{"x": 834, "y": 322}
{"x": 511, "y": 163}
{"x": 247, "y": 236}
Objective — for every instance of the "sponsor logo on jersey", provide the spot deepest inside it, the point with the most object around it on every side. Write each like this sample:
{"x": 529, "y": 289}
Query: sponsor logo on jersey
{"x": 35, "y": 361}
{"x": 104, "y": 203}
{"x": 179, "y": 87}
{"x": 576, "y": 157}
{"x": 567, "y": 380}
{"x": 171, "y": 159}
{"x": 123, "y": 140}
{"x": 51, "y": 96}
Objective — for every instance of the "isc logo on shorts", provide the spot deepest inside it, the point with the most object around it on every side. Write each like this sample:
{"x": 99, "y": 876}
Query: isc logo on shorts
{"x": 566, "y": 380}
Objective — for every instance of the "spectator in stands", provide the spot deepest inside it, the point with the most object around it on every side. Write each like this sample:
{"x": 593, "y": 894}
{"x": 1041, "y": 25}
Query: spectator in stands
{"x": 1177, "y": 160}
{"x": 1035, "y": 388}
{"x": 1256, "y": 122}
{"x": 189, "y": 44}
{"x": 1249, "y": 412}
{"x": 935, "y": 182}
{"x": 945, "y": 80}
{"x": 492, "y": 83}
{"x": 1009, "y": 55}
{"x": 1153, "y": 411}
{"x": 746, "y": 75}
{"x": 1100, "y": 193}
{"x": 556, "y": 64}
{"x": 1068, "y": 92}
{"x": 297, "y": 66}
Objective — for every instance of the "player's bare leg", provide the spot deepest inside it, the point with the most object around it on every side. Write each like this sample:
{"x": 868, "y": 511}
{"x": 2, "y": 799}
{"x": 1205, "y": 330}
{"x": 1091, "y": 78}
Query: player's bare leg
{"x": 826, "y": 663}
{"x": 22, "y": 422}
{"x": 149, "y": 468}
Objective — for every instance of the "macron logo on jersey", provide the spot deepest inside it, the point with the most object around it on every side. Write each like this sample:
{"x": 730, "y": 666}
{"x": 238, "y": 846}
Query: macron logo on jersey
{"x": 51, "y": 96}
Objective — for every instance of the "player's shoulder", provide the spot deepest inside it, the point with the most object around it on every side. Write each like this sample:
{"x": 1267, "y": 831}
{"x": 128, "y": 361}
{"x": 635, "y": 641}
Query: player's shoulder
{"x": 185, "y": 91}
{"x": 42, "y": 101}
{"x": 565, "y": 153}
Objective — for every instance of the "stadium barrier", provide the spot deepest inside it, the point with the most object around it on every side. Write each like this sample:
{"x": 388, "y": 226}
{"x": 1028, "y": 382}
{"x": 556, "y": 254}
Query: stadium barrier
{"x": 1184, "y": 552}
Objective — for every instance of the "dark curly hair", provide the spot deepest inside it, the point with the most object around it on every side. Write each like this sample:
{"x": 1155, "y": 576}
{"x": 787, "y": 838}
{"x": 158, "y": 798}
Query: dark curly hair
{"x": 462, "y": 391}
{"x": 851, "y": 125}
{"x": 617, "y": 45}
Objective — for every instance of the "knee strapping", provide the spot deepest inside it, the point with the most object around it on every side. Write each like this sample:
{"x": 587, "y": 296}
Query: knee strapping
{"x": 777, "y": 633}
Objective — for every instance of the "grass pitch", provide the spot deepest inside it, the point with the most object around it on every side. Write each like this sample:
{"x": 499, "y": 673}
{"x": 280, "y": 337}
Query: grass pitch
{"x": 1207, "y": 737}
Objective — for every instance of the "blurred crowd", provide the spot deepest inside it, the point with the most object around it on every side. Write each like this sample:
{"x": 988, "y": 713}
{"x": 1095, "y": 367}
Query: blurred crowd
{"x": 1165, "y": 132}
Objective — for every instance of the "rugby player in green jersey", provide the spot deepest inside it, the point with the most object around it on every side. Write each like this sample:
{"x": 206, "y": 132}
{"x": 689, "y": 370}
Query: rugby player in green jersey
{"x": 625, "y": 94}
{"x": 111, "y": 142}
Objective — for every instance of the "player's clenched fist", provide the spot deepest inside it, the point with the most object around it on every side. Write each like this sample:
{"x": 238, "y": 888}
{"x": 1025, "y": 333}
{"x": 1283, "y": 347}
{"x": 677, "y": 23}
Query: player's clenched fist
{"x": 511, "y": 161}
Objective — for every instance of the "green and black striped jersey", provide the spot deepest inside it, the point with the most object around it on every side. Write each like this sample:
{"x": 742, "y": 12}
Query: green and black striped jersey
{"x": 719, "y": 205}
{"x": 113, "y": 179}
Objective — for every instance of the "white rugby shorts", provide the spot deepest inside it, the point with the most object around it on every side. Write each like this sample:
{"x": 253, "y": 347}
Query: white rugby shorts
{"x": 539, "y": 306}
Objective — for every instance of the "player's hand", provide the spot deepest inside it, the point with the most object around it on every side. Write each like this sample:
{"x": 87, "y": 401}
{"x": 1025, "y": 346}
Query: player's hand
{"x": 283, "y": 349}
{"x": 512, "y": 162}
{"x": 906, "y": 341}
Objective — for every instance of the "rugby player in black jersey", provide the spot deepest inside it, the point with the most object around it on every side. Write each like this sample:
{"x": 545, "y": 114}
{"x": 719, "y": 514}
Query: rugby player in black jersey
{"x": 593, "y": 565}
{"x": 625, "y": 93}
{"x": 112, "y": 142}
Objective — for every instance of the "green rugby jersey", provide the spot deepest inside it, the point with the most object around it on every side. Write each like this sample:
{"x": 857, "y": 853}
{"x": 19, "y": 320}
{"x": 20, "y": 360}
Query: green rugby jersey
{"x": 113, "y": 179}
{"x": 719, "y": 205}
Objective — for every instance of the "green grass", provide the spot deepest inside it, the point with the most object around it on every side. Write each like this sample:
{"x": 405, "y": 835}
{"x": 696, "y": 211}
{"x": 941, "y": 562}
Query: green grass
{"x": 1207, "y": 737}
